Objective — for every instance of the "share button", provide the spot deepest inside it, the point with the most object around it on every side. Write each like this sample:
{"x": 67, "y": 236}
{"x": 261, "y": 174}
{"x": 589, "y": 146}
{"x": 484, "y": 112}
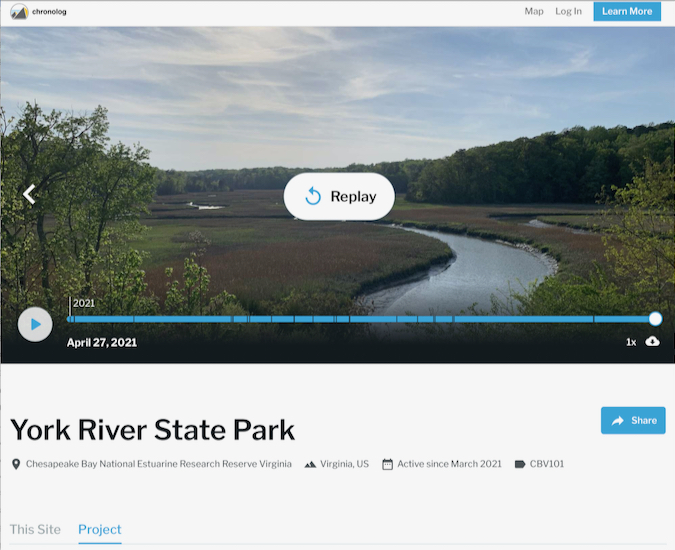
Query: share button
{"x": 633, "y": 420}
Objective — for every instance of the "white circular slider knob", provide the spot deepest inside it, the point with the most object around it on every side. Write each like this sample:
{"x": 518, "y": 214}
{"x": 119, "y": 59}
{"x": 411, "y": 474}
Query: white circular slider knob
{"x": 339, "y": 196}
{"x": 655, "y": 318}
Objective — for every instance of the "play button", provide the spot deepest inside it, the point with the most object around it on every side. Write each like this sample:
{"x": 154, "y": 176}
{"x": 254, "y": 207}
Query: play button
{"x": 35, "y": 324}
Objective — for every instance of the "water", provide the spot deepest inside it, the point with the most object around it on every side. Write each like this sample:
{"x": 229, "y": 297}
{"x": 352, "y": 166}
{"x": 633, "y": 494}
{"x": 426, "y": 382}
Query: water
{"x": 481, "y": 268}
{"x": 543, "y": 225}
{"x": 539, "y": 224}
{"x": 203, "y": 206}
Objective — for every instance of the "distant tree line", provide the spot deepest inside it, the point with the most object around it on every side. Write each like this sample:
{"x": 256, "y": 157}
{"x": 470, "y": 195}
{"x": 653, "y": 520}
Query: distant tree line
{"x": 571, "y": 166}
{"x": 574, "y": 165}
{"x": 173, "y": 182}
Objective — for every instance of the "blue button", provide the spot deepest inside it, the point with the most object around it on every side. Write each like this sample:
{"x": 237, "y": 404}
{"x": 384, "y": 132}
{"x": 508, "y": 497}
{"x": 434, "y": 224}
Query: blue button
{"x": 627, "y": 11}
{"x": 633, "y": 420}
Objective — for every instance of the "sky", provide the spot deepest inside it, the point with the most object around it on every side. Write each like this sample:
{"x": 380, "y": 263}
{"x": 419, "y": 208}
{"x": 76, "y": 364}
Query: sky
{"x": 203, "y": 98}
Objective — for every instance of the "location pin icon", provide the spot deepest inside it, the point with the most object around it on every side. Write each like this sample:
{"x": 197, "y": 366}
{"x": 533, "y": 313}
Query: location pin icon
{"x": 16, "y": 463}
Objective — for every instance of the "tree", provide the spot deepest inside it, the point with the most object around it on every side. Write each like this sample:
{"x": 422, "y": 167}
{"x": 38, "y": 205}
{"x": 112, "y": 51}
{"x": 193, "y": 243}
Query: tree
{"x": 114, "y": 188}
{"x": 44, "y": 150}
{"x": 88, "y": 195}
{"x": 570, "y": 166}
{"x": 641, "y": 244}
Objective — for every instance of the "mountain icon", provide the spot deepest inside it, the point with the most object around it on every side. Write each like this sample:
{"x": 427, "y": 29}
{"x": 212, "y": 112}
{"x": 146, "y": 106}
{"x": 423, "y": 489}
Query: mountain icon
{"x": 19, "y": 11}
{"x": 310, "y": 465}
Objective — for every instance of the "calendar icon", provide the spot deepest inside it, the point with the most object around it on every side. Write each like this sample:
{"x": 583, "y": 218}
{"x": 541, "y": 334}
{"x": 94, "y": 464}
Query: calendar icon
{"x": 387, "y": 464}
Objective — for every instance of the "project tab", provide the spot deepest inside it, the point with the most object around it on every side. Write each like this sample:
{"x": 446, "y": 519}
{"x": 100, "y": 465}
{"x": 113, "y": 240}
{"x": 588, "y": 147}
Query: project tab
{"x": 627, "y": 11}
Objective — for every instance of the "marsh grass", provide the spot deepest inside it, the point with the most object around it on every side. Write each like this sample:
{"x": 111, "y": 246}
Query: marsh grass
{"x": 260, "y": 253}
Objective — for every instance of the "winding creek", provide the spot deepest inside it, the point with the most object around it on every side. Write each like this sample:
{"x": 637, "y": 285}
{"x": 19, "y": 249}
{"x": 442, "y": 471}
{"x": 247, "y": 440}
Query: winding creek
{"x": 481, "y": 268}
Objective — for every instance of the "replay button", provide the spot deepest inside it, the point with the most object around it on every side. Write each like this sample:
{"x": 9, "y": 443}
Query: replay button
{"x": 336, "y": 196}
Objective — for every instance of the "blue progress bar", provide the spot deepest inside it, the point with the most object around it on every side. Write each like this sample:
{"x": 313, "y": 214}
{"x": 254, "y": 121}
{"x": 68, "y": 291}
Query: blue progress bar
{"x": 622, "y": 319}
{"x": 401, "y": 319}
{"x": 525, "y": 319}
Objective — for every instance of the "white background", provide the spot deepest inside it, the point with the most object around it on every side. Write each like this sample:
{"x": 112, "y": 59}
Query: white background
{"x": 321, "y": 13}
{"x": 613, "y": 489}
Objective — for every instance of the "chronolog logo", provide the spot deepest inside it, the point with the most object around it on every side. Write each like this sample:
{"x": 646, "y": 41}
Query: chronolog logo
{"x": 19, "y": 11}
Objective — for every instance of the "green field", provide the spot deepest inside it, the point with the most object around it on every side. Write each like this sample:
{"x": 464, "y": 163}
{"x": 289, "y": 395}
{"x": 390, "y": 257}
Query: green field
{"x": 258, "y": 252}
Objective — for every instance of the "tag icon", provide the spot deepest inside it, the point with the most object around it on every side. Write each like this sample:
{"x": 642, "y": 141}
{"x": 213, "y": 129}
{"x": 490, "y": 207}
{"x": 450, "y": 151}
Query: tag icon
{"x": 387, "y": 464}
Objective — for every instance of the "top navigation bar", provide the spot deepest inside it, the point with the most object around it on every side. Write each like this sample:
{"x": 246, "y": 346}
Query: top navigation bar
{"x": 349, "y": 13}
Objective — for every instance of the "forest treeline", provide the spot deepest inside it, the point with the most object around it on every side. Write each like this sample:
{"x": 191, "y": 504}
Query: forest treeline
{"x": 574, "y": 166}
{"x": 173, "y": 182}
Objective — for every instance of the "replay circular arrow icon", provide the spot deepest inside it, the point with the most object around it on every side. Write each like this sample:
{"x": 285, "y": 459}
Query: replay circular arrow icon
{"x": 313, "y": 191}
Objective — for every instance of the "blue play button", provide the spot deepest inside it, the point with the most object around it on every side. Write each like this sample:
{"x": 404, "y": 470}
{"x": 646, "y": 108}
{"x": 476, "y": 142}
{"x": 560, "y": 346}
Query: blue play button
{"x": 35, "y": 324}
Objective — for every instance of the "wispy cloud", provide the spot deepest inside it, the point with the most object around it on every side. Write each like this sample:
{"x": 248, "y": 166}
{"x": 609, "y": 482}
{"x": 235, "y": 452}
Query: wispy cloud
{"x": 234, "y": 97}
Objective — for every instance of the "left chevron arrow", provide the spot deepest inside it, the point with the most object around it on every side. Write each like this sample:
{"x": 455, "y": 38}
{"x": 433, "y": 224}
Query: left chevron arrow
{"x": 26, "y": 194}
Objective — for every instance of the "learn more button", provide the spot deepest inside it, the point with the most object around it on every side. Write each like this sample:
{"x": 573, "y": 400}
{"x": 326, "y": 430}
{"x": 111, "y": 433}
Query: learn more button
{"x": 633, "y": 420}
{"x": 626, "y": 11}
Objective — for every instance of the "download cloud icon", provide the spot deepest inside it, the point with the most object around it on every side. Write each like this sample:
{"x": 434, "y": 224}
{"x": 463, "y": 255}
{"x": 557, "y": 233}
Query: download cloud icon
{"x": 652, "y": 341}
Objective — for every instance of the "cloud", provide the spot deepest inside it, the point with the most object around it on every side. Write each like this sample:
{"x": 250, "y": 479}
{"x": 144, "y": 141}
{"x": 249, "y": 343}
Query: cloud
{"x": 233, "y": 97}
